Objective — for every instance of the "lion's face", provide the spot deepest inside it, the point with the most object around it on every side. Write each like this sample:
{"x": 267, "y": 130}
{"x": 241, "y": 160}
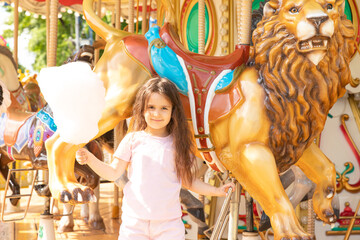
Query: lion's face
{"x": 311, "y": 22}
{"x": 293, "y": 36}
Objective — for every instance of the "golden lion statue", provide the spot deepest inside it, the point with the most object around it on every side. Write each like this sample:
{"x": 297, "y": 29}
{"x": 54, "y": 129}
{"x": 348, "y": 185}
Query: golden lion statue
{"x": 300, "y": 67}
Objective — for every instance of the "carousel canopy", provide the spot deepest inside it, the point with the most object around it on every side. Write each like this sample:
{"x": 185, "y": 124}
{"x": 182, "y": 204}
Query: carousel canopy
{"x": 39, "y": 6}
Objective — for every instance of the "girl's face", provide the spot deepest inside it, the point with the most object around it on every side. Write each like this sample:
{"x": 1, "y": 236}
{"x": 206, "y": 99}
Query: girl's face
{"x": 157, "y": 114}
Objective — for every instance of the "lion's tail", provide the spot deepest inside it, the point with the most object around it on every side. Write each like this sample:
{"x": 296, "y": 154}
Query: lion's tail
{"x": 104, "y": 30}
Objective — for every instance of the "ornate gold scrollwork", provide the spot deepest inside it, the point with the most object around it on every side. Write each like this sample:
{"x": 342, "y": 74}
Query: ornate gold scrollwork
{"x": 342, "y": 179}
{"x": 355, "y": 82}
{"x": 158, "y": 43}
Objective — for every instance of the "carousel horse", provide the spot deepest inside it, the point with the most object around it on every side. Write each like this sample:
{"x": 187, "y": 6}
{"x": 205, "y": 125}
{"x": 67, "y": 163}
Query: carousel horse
{"x": 254, "y": 119}
{"x": 9, "y": 79}
{"x": 32, "y": 91}
{"x": 23, "y": 134}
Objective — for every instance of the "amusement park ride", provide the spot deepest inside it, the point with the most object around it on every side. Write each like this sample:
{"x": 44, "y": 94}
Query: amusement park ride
{"x": 262, "y": 84}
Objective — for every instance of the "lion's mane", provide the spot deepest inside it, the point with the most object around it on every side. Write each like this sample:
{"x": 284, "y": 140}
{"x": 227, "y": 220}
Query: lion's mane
{"x": 299, "y": 94}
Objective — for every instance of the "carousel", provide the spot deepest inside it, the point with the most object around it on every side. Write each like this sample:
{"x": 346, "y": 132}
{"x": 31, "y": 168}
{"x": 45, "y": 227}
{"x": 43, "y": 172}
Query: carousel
{"x": 270, "y": 90}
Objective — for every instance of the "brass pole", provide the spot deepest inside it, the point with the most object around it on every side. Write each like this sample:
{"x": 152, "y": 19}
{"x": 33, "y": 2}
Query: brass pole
{"x": 144, "y": 20}
{"x": 131, "y": 16}
{"x": 201, "y": 36}
{"x": 16, "y": 30}
{"x": 53, "y": 33}
{"x": 243, "y": 11}
{"x": 352, "y": 221}
{"x": 47, "y": 29}
{"x": 137, "y": 16}
{"x": 117, "y": 14}
{"x": 97, "y": 37}
{"x": 310, "y": 218}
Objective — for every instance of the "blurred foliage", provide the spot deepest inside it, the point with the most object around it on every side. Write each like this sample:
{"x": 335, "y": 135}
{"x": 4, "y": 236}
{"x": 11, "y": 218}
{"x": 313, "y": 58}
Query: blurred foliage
{"x": 36, "y": 27}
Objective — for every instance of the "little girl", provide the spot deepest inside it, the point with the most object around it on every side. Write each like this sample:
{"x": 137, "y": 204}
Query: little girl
{"x": 159, "y": 155}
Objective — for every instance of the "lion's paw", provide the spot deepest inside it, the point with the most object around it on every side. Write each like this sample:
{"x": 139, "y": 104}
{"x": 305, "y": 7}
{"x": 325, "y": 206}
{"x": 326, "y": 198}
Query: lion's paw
{"x": 322, "y": 200}
{"x": 286, "y": 227}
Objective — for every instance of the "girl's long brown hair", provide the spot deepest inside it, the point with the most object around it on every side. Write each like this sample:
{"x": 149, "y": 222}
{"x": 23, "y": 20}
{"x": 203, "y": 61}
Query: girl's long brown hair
{"x": 178, "y": 125}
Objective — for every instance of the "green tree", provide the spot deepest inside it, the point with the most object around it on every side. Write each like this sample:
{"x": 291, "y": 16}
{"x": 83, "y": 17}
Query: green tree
{"x": 36, "y": 27}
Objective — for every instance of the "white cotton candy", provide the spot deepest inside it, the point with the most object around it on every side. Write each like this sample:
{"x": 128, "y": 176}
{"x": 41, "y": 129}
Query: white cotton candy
{"x": 6, "y": 98}
{"x": 77, "y": 98}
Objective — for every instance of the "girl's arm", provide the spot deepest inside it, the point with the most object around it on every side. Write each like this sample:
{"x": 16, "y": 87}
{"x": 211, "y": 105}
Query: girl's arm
{"x": 110, "y": 172}
{"x": 206, "y": 189}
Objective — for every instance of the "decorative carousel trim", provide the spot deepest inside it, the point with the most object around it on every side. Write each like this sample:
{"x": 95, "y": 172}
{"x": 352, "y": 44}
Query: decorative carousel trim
{"x": 342, "y": 179}
{"x": 355, "y": 18}
{"x": 186, "y": 8}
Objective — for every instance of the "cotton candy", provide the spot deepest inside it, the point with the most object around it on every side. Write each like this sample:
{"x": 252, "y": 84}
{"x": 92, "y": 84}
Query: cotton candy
{"x": 77, "y": 98}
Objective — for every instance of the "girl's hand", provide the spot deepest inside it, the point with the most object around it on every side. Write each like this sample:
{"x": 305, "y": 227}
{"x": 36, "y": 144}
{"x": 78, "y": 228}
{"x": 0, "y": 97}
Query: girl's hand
{"x": 82, "y": 156}
{"x": 224, "y": 188}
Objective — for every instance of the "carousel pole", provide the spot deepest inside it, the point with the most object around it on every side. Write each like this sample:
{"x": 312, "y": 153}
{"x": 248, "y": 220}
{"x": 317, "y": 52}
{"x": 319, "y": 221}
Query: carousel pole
{"x": 234, "y": 212}
{"x": 144, "y": 19}
{"x": 201, "y": 49}
{"x": 310, "y": 218}
{"x": 201, "y": 35}
{"x": 137, "y": 16}
{"x": 97, "y": 37}
{"x": 352, "y": 222}
{"x": 131, "y": 16}
{"x": 117, "y": 193}
{"x": 15, "y": 55}
{"x": 77, "y": 31}
{"x": 47, "y": 28}
{"x": 53, "y": 33}
{"x": 117, "y": 14}
{"x": 121, "y": 128}
{"x": 243, "y": 10}
{"x": 149, "y": 14}
{"x": 46, "y": 224}
{"x": 8, "y": 228}
{"x": 243, "y": 20}
{"x": 16, "y": 30}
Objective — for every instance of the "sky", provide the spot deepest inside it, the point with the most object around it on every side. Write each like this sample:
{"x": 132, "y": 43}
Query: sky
{"x": 25, "y": 57}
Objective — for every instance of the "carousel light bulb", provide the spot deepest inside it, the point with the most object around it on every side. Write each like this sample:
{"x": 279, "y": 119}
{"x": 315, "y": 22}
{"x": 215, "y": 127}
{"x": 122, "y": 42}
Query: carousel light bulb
{"x": 12, "y": 4}
{"x": 20, "y": 9}
{"x": 69, "y": 11}
{"x": 43, "y": 17}
{"x": 36, "y": 15}
{"x": 77, "y": 14}
{"x": 27, "y": 13}
{"x": 59, "y": 15}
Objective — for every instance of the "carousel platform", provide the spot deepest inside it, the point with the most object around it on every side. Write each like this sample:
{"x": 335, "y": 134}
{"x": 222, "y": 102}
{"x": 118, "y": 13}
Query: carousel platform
{"x": 28, "y": 228}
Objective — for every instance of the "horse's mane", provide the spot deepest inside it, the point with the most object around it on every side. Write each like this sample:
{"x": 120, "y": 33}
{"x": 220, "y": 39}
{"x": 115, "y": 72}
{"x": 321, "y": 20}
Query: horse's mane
{"x": 6, "y": 52}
